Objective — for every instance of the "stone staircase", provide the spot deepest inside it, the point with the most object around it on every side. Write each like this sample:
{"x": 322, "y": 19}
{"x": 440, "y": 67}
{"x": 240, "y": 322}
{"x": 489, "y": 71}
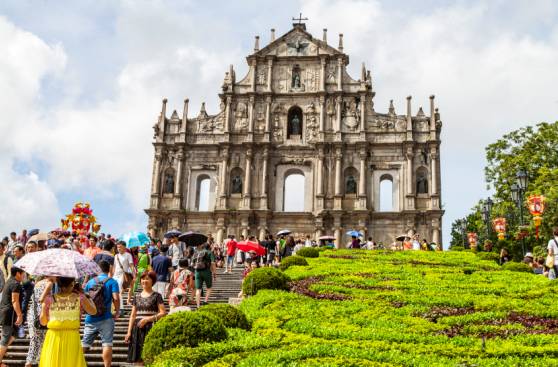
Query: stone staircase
{"x": 226, "y": 286}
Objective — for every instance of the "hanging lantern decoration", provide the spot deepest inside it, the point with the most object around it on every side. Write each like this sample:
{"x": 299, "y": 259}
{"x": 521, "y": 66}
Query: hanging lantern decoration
{"x": 536, "y": 208}
{"x": 499, "y": 225}
{"x": 81, "y": 219}
{"x": 472, "y": 237}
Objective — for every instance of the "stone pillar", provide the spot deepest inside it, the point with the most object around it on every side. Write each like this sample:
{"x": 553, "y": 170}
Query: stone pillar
{"x": 362, "y": 113}
{"x": 322, "y": 114}
{"x": 156, "y": 180}
{"x": 247, "y": 180}
{"x": 268, "y": 114}
{"x": 184, "y": 117}
{"x": 269, "y": 74}
{"x": 220, "y": 235}
{"x": 339, "y": 74}
{"x": 263, "y": 199}
{"x": 338, "y": 235}
{"x": 409, "y": 165}
{"x": 338, "y": 174}
{"x": 320, "y": 173}
{"x": 223, "y": 178}
{"x": 178, "y": 182}
{"x": 261, "y": 236}
{"x": 254, "y": 72}
{"x": 362, "y": 181}
{"x": 251, "y": 115}
{"x": 434, "y": 173}
{"x": 337, "y": 126}
{"x": 245, "y": 233}
{"x": 227, "y": 114}
{"x": 322, "y": 74}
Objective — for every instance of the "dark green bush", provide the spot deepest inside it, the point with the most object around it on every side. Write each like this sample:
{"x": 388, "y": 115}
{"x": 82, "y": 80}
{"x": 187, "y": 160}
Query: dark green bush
{"x": 264, "y": 278}
{"x": 308, "y": 252}
{"x": 491, "y": 256}
{"x": 457, "y": 248}
{"x": 515, "y": 266}
{"x": 292, "y": 260}
{"x": 182, "y": 329}
{"x": 229, "y": 315}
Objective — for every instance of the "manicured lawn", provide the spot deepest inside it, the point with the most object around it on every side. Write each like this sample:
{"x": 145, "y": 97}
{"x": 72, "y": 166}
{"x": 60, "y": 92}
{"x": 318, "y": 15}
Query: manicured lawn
{"x": 370, "y": 308}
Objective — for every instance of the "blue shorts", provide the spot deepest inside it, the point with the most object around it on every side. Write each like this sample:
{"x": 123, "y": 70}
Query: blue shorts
{"x": 104, "y": 328}
{"x": 230, "y": 260}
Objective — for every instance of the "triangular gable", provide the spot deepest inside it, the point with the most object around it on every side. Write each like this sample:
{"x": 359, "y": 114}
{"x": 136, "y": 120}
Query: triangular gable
{"x": 297, "y": 42}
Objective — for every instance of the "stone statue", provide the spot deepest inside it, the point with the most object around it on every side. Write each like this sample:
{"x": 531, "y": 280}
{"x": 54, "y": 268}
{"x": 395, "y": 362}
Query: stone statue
{"x": 422, "y": 184}
{"x": 169, "y": 183}
{"x": 296, "y": 79}
{"x": 351, "y": 185}
{"x": 236, "y": 185}
{"x": 155, "y": 131}
{"x": 295, "y": 125}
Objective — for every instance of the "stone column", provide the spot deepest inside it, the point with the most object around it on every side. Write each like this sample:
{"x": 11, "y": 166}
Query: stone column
{"x": 263, "y": 202}
{"x": 220, "y": 235}
{"x": 362, "y": 113}
{"x": 254, "y": 72}
{"x": 251, "y": 115}
{"x": 178, "y": 183}
{"x": 337, "y": 127}
{"x": 409, "y": 157}
{"x": 338, "y": 174}
{"x": 434, "y": 169}
{"x": 338, "y": 235}
{"x": 156, "y": 181}
{"x": 227, "y": 114}
{"x": 322, "y": 114}
{"x": 247, "y": 180}
{"x": 268, "y": 114}
{"x": 320, "y": 168}
{"x": 322, "y": 74}
{"x": 261, "y": 236}
{"x": 223, "y": 176}
{"x": 269, "y": 74}
{"x": 339, "y": 74}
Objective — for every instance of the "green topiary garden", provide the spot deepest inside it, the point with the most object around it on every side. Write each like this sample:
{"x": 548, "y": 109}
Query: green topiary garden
{"x": 292, "y": 260}
{"x": 264, "y": 278}
{"x": 230, "y": 316}
{"x": 308, "y": 252}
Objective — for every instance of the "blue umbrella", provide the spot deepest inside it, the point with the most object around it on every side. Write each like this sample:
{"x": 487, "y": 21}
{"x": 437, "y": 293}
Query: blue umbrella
{"x": 135, "y": 239}
{"x": 172, "y": 233}
{"x": 354, "y": 233}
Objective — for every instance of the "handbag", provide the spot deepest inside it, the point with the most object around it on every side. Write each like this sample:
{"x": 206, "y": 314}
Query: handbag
{"x": 128, "y": 277}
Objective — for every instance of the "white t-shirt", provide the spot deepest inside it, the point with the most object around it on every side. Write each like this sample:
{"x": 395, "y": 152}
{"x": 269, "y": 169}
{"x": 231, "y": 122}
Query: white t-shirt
{"x": 552, "y": 246}
{"x": 176, "y": 252}
{"x": 127, "y": 264}
{"x": 308, "y": 243}
{"x": 416, "y": 245}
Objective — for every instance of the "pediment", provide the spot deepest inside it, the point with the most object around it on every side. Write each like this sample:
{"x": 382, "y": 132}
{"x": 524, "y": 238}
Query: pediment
{"x": 297, "y": 42}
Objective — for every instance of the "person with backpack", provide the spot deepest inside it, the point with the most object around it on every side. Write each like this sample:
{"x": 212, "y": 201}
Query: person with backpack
{"x": 204, "y": 271}
{"x": 104, "y": 292}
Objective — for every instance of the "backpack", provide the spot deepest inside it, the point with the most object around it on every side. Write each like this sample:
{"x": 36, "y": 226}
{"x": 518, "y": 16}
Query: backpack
{"x": 2, "y": 279}
{"x": 97, "y": 294}
{"x": 201, "y": 260}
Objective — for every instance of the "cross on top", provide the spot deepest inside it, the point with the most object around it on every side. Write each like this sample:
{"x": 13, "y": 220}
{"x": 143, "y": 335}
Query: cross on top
{"x": 300, "y": 19}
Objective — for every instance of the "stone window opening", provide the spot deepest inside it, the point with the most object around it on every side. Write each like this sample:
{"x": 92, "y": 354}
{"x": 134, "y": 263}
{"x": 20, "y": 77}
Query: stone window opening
{"x": 386, "y": 193}
{"x": 294, "y": 126}
{"x": 293, "y": 192}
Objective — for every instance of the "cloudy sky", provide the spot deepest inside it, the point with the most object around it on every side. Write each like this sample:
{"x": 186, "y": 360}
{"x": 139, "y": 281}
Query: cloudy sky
{"x": 81, "y": 84}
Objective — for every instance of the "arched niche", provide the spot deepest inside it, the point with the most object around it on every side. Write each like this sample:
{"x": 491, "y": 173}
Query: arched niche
{"x": 168, "y": 181}
{"x": 236, "y": 181}
{"x": 350, "y": 181}
{"x": 294, "y": 122}
{"x": 422, "y": 184}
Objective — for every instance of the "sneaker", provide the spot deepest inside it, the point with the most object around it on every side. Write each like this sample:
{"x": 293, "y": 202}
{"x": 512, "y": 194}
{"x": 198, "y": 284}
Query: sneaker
{"x": 21, "y": 332}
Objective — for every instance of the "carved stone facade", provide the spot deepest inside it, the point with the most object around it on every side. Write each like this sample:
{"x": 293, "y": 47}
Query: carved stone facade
{"x": 297, "y": 111}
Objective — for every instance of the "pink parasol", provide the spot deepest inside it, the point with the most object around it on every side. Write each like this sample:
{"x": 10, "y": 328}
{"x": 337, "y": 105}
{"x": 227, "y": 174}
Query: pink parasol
{"x": 248, "y": 246}
{"x": 57, "y": 262}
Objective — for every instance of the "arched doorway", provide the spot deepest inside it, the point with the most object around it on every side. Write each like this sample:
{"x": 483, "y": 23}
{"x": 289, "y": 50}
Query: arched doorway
{"x": 293, "y": 194}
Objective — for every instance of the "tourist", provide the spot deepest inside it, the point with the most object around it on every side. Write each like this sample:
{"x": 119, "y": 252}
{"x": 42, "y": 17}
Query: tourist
{"x": 6, "y": 264}
{"x": 147, "y": 308}
{"x": 11, "y": 315}
{"x": 425, "y": 246}
{"x": 552, "y": 248}
{"x": 162, "y": 266}
{"x": 370, "y": 245}
{"x": 61, "y": 313}
{"x": 204, "y": 271}
{"x": 176, "y": 250}
{"x": 230, "y": 245}
{"x": 142, "y": 266}
{"x": 180, "y": 285}
{"x": 102, "y": 322}
{"x": 23, "y": 238}
{"x": 92, "y": 249}
{"x": 271, "y": 248}
{"x": 504, "y": 256}
{"x": 355, "y": 242}
{"x": 297, "y": 247}
{"x": 288, "y": 247}
{"x": 308, "y": 241}
{"x": 415, "y": 242}
{"x": 12, "y": 242}
{"x": 106, "y": 254}
{"x": 123, "y": 272}
{"x": 37, "y": 331}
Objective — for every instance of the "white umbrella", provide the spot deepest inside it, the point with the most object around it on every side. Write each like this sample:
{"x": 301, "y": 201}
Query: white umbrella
{"x": 283, "y": 232}
{"x": 58, "y": 262}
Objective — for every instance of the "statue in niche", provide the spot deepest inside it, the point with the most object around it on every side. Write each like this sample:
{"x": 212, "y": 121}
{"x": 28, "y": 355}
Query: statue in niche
{"x": 236, "y": 185}
{"x": 296, "y": 79}
{"x": 423, "y": 157}
{"x": 241, "y": 115}
{"x": 422, "y": 183}
{"x": 295, "y": 125}
{"x": 351, "y": 185}
{"x": 169, "y": 183}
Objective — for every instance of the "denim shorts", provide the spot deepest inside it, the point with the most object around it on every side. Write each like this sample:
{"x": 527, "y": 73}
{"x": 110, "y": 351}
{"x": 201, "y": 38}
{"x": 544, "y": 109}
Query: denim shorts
{"x": 105, "y": 328}
{"x": 7, "y": 332}
{"x": 230, "y": 260}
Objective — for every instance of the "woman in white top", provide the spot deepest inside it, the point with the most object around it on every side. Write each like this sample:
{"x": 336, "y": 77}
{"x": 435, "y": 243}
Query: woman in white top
{"x": 123, "y": 263}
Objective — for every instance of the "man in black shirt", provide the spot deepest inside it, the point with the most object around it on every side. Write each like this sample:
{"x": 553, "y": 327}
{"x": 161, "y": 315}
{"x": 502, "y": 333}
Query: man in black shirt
{"x": 11, "y": 315}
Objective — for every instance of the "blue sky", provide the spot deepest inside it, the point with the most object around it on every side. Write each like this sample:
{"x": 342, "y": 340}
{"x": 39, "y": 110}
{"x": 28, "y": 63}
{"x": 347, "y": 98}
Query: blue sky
{"x": 82, "y": 82}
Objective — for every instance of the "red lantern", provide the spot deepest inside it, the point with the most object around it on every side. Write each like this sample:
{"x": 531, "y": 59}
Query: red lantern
{"x": 536, "y": 208}
{"x": 499, "y": 225}
{"x": 472, "y": 237}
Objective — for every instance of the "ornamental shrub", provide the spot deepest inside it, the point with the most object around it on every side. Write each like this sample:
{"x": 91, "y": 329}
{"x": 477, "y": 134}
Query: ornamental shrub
{"x": 265, "y": 278}
{"x": 293, "y": 260}
{"x": 308, "y": 252}
{"x": 457, "y": 248}
{"x": 182, "y": 329}
{"x": 230, "y": 316}
{"x": 491, "y": 256}
{"x": 515, "y": 266}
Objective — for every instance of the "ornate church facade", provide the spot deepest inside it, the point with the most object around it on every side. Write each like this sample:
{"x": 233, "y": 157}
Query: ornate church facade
{"x": 297, "y": 113}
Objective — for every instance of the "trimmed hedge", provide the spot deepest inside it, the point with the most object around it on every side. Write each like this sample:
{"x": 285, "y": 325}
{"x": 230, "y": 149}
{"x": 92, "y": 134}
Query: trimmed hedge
{"x": 292, "y": 260}
{"x": 308, "y": 252}
{"x": 264, "y": 278}
{"x": 230, "y": 316}
{"x": 490, "y": 256}
{"x": 515, "y": 266}
{"x": 182, "y": 329}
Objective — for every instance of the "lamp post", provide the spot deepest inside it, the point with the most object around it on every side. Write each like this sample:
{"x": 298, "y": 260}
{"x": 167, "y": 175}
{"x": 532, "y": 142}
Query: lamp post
{"x": 518, "y": 191}
{"x": 486, "y": 210}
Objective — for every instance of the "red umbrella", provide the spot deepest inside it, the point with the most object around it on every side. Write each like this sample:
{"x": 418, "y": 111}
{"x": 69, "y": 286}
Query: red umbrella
{"x": 248, "y": 246}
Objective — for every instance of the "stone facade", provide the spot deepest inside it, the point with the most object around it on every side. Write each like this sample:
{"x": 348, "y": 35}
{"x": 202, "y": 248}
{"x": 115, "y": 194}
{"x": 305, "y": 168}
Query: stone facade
{"x": 297, "y": 111}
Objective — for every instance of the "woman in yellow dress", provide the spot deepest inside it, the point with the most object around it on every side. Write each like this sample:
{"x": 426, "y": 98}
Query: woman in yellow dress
{"x": 61, "y": 313}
